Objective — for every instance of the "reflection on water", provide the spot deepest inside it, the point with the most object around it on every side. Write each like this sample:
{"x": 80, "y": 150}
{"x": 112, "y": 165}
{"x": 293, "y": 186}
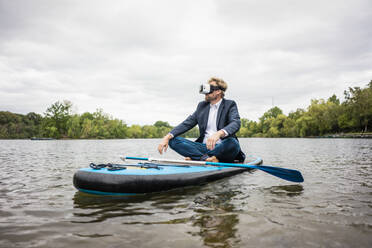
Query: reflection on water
{"x": 212, "y": 214}
{"x": 217, "y": 220}
{"x": 39, "y": 207}
{"x": 286, "y": 190}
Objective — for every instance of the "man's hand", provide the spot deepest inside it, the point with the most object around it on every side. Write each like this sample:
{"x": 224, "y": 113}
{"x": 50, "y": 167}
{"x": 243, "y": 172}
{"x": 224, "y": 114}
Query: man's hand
{"x": 163, "y": 146}
{"x": 212, "y": 140}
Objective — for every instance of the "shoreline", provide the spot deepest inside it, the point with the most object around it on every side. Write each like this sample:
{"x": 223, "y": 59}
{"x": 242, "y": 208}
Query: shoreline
{"x": 349, "y": 135}
{"x": 326, "y": 136}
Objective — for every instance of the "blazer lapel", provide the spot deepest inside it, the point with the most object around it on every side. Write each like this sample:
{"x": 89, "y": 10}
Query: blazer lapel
{"x": 220, "y": 112}
{"x": 205, "y": 118}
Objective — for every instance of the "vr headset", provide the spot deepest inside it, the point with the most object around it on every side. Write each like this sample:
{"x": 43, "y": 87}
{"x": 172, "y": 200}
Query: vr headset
{"x": 207, "y": 89}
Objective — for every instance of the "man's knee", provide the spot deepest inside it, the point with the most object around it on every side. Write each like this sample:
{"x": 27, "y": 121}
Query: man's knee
{"x": 174, "y": 141}
{"x": 231, "y": 141}
{"x": 171, "y": 142}
{"x": 232, "y": 145}
{"x": 230, "y": 150}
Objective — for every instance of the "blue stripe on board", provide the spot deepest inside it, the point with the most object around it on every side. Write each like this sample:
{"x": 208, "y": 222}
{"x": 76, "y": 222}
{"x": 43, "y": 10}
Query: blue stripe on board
{"x": 105, "y": 193}
{"x": 136, "y": 158}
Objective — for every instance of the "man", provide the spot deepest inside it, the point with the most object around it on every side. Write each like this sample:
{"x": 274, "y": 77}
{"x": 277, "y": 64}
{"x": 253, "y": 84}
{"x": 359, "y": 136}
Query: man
{"x": 218, "y": 120}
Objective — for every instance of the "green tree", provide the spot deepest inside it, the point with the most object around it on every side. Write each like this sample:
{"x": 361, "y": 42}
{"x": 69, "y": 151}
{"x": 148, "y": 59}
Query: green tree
{"x": 160, "y": 124}
{"x": 88, "y": 129}
{"x": 289, "y": 128}
{"x": 334, "y": 99}
{"x": 266, "y": 120}
{"x": 359, "y": 106}
{"x": 135, "y": 131}
{"x": 304, "y": 126}
{"x": 74, "y": 127}
{"x": 117, "y": 128}
{"x": 272, "y": 113}
{"x": 316, "y": 111}
{"x": 150, "y": 131}
{"x": 245, "y": 128}
{"x": 163, "y": 128}
{"x": 57, "y": 116}
{"x": 295, "y": 115}
{"x": 192, "y": 133}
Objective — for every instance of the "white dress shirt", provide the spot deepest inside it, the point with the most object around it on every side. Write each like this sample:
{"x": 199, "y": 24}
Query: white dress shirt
{"x": 212, "y": 122}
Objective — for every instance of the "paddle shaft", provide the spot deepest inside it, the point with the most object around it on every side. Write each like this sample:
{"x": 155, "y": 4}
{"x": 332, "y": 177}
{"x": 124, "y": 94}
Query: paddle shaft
{"x": 190, "y": 162}
{"x": 286, "y": 174}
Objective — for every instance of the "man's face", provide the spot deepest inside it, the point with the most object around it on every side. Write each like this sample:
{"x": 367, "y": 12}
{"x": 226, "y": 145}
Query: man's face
{"x": 214, "y": 95}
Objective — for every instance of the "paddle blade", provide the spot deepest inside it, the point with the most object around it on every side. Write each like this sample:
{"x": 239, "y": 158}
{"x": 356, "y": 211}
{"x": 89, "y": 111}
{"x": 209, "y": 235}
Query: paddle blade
{"x": 286, "y": 174}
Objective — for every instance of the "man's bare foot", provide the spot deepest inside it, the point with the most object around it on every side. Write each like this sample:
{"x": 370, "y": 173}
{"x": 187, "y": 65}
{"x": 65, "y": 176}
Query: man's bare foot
{"x": 212, "y": 159}
{"x": 187, "y": 158}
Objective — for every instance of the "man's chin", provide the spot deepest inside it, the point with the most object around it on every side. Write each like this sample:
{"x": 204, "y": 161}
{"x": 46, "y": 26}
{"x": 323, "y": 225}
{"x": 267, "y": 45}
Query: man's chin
{"x": 210, "y": 99}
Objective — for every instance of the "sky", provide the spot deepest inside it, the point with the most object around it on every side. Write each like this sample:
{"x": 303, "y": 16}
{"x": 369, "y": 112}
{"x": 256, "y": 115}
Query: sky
{"x": 143, "y": 61}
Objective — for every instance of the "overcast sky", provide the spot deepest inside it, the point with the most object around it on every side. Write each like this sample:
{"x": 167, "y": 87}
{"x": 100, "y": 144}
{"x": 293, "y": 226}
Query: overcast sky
{"x": 142, "y": 61}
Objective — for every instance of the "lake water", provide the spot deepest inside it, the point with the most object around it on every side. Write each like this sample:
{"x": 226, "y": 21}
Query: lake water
{"x": 39, "y": 207}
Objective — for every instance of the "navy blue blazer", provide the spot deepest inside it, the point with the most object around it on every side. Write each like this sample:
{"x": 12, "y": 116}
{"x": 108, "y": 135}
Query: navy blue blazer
{"x": 227, "y": 118}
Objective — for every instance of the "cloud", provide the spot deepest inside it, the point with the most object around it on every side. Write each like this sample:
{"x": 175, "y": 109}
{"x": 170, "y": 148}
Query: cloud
{"x": 142, "y": 61}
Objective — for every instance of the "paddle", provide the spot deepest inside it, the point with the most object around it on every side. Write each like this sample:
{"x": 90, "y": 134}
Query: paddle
{"x": 286, "y": 174}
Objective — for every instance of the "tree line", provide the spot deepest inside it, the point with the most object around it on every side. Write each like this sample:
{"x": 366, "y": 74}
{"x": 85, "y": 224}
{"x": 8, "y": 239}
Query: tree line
{"x": 320, "y": 118}
{"x": 59, "y": 122}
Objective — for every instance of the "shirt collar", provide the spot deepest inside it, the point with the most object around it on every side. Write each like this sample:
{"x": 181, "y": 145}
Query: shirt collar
{"x": 216, "y": 105}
